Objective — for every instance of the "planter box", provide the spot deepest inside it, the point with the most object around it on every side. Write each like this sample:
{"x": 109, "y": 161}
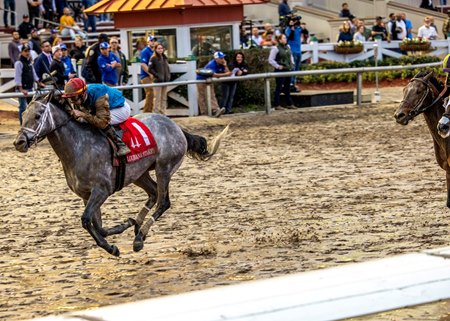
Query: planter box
{"x": 348, "y": 50}
{"x": 415, "y": 47}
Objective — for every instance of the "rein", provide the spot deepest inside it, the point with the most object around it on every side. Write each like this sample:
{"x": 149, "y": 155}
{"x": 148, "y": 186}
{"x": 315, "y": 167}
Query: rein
{"x": 36, "y": 133}
{"x": 434, "y": 93}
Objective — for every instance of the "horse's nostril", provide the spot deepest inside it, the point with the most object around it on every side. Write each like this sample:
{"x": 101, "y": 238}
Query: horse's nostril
{"x": 400, "y": 115}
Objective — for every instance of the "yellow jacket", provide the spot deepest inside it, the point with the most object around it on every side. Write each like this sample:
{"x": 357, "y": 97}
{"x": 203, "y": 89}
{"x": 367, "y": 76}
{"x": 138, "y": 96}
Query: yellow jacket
{"x": 66, "y": 21}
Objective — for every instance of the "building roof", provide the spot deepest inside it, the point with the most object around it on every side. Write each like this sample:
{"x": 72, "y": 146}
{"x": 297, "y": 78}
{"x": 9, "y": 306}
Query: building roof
{"x": 114, "y": 6}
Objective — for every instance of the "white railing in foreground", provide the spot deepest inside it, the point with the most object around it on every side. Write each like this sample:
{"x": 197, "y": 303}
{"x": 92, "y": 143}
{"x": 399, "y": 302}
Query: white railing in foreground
{"x": 331, "y": 294}
{"x": 266, "y": 76}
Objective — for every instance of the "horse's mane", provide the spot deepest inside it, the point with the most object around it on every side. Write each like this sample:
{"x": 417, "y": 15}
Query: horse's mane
{"x": 436, "y": 82}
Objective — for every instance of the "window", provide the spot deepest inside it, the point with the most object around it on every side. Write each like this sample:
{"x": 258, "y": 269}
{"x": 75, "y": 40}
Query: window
{"x": 138, "y": 41}
{"x": 205, "y": 41}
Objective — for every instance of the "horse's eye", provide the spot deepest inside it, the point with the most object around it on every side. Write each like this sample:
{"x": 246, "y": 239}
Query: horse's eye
{"x": 38, "y": 116}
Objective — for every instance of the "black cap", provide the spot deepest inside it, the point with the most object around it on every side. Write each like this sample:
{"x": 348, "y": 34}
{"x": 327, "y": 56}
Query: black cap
{"x": 25, "y": 15}
{"x": 25, "y": 47}
{"x": 103, "y": 37}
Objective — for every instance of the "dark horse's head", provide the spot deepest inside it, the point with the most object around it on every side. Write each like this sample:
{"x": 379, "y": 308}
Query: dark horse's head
{"x": 421, "y": 93}
{"x": 38, "y": 120}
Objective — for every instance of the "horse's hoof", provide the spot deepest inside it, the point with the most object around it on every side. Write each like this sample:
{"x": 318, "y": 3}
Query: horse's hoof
{"x": 131, "y": 221}
{"x": 114, "y": 251}
{"x": 138, "y": 243}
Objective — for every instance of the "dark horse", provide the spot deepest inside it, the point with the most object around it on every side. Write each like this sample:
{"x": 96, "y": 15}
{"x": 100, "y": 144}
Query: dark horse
{"x": 86, "y": 159}
{"x": 423, "y": 95}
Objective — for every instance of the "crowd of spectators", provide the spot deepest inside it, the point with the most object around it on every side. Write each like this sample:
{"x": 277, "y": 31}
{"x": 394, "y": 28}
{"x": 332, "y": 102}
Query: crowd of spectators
{"x": 104, "y": 62}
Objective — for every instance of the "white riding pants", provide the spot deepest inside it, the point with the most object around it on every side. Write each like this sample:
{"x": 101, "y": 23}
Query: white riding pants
{"x": 119, "y": 115}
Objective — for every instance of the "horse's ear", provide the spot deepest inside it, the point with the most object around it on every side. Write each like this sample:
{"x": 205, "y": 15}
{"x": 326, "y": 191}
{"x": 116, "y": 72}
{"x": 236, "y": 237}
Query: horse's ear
{"x": 416, "y": 75}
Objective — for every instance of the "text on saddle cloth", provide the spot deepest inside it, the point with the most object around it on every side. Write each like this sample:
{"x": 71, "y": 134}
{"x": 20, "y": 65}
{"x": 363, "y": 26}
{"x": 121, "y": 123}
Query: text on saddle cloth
{"x": 139, "y": 139}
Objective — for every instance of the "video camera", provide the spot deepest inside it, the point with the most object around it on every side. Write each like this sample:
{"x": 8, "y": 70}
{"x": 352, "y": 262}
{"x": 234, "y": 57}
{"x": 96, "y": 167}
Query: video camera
{"x": 285, "y": 22}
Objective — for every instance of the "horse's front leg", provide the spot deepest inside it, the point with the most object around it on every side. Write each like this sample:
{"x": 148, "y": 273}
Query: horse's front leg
{"x": 447, "y": 176}
{"x": 95, "y": 201}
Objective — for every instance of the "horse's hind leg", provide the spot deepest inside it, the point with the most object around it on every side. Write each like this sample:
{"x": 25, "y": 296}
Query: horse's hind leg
{"x": 149, "y": 186}
{"x": 163, "y": 202}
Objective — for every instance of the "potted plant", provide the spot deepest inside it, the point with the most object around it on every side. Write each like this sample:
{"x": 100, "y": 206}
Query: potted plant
{"x": 349, "y": 47}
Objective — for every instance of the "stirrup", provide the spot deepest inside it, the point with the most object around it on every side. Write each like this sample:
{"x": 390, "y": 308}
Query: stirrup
{"x": 122, "y": 151}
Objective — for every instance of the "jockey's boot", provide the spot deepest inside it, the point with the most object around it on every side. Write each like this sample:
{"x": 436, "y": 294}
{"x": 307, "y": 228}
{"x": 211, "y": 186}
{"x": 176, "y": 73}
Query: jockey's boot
{"x": 122, "y": 149}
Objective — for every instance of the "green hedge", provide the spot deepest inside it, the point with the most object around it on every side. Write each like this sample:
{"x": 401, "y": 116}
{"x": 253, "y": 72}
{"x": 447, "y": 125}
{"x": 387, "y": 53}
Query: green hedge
{"x": 251, "y": 93}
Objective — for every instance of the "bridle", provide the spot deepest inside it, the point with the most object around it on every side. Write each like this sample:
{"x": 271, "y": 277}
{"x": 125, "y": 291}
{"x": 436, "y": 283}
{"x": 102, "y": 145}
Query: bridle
{"x": 37, "y": 133}
{"x": 435, "y": 97}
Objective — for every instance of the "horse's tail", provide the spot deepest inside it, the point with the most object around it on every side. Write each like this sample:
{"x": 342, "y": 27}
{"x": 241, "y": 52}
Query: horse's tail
{"x": 198, "y": 146}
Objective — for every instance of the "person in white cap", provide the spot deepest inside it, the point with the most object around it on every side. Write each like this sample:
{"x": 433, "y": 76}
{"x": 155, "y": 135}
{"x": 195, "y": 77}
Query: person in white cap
{"x": 219, "y": 66}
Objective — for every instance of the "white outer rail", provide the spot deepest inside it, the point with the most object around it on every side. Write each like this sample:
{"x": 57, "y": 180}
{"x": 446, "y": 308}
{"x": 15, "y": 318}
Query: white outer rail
{"x": 330, "y": 294}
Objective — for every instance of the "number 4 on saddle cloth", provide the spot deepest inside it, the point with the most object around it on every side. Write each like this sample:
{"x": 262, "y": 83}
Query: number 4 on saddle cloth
{"x": 138, "y": 138}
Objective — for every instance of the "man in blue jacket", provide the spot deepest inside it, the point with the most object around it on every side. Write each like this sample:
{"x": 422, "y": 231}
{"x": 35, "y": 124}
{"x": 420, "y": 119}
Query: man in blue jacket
{"x": 294, "y": 35}
{"x": 108, "y": 63}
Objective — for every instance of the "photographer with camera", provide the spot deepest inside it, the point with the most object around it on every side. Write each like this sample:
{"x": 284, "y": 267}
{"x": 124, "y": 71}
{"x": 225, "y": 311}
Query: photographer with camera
{"x": 294, "y": 36}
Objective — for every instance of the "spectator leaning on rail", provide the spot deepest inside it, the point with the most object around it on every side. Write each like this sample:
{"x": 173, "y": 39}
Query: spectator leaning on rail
{"x": 294, "y": 35}
{"x": 24, "y": 78}
{"x": 219, "y": 66}
{"x": 426, "y": 31}
{"x": 99, "y": 105}
{"x": 146, "y": 76}
{"x": 281, "y": 59}
{"x": 108, "y": 64}
{"x": 159, "y": 68}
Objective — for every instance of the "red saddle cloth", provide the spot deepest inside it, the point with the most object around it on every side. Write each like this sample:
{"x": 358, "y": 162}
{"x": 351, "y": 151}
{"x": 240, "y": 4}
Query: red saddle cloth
{"x": 139, "y": 139}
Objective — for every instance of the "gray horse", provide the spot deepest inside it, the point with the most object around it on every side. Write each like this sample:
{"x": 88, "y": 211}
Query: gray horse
{"x": 86, "y": 159}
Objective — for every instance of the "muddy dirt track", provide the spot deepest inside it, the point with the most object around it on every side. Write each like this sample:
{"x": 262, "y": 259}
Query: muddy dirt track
{"x": 290, "y": 192}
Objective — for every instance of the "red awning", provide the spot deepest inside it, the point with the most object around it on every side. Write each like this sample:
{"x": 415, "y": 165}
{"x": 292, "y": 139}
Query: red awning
{"x": 113, "y": 6}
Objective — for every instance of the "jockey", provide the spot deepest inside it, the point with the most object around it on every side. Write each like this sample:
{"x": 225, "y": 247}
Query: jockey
{"x": 446, "y": 69}
{"x": 100, "y": 106}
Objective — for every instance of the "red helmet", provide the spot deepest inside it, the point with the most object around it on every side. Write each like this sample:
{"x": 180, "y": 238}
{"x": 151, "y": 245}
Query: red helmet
{"x": 74, "y": 87}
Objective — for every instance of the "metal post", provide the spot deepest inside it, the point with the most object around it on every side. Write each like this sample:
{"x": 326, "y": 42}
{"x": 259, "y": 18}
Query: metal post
{"x": 376, "y": 94}
{"x": 267, "y": 95}
{"x": 208, "y": 98}
{"x": 359, "y": 89}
